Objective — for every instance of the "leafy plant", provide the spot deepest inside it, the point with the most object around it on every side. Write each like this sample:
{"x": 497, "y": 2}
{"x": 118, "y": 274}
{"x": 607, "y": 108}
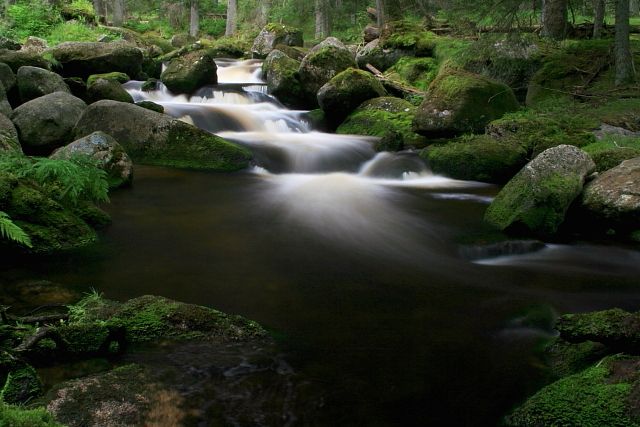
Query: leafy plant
{"x": 9, "y": 230}
{"x": 32, "y": 18}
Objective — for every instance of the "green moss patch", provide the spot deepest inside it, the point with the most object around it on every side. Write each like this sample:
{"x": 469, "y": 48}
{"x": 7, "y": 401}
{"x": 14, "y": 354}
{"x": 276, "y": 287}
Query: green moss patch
{"x": 416, "y": 72}
{"x": 18, "y": 416}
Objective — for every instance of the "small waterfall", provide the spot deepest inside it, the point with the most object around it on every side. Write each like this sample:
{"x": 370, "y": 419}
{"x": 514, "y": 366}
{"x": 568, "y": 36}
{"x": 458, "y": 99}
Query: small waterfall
{"x": 335, "y": 185}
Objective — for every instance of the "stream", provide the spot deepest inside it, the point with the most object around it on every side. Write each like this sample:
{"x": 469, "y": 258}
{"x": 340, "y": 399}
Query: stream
{"x": 365, "y": 266}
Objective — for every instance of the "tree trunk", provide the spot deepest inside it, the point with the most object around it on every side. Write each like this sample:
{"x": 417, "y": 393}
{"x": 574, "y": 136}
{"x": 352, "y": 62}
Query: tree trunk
{"x": 598, "y": 19}
{"x": 380, "y": 13}
{"x": 232, "y": 24}
{"x": 322, "y": 19}
{"x": 194, "y": 19}
{"x": 625, "y": 70}
{"x": 101, "y": 13}
{"x": 265, "y": 8}
{"x": 634, "y": 7}
{"x": 554, "y": 19}
{"x": 118, "y": 13}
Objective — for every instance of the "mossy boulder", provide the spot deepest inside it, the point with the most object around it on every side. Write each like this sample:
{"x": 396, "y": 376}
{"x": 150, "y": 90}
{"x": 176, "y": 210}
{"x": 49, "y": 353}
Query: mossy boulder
{"x": 115, "y": 76}
{"x": 34, "y": 82}
{"x": 8, "y": 136}
{"x": 613, "y": 197}
{"x": 382, "y": 58}
{"x": 294, "y": 52}
{"x": 321, "y": 64}
{"x": 153, "y": 138}
{"x": 281, "y": 74}
{"x": 103, "y": 148}
{"x": 615, "y": 328}
{"x": 229, "y": 47}
{"x": 47, "y": 122}
{"x": 607, "y": 158}
{"x": 82, "y": 59}
{"x": 190, "y": 71}
{"x": 274, "y": 34}
{"x": 536, "y": 200}
{"x": 16, "y": 59}
{"x": 346, "y": 91}
{"x": 150, "y": 105}
{"x": 602, "y": 395}
{"x": 21, "y": 381}
{"x": 408, "y": 36}
{"x": 416, "y": 72}
{"x": 107, "y": 89}
{"x": 565, "y": 358}
{"x": 460, "y": 102}
{"x": 379, "y": 116}
{"x": 476, "y": 158}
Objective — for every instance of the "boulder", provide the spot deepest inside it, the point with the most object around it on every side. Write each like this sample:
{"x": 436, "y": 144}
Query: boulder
{"x": 379, "y": 116}
{"x": 416, "y": 72}
{"x": 115, "y": 76}
{"x": 281, "y": 74}
{"x": 109, "y": 155}
{"x": 294, "y": 52}
{"x": 459, "y": 102}
{"x": 35, "y": 44}
{"x": 8, "y": 136}
{"x": 7, "y": 77}
{"x": 613, "y": 197}
{"x": 7, "y": 43}
{"x": 382, "y": 58}
{"x": 321, "y": 64}
{"x": 107, "y": 89}
{"x": 150, "y": 105}
{"x": 81, "y": 59}
{"x": 47, "y": 122}
{"x": 370, "y": 33}
{"x": 536, "y": 200}
{"x": 77, "y": 86}
{"x": 34, "y": 82}
{"x": 5, "y": 107}
{"x": 476, "y": 158}
{"x": 346, "y": 91}
{"x": 181, "y": 40}
{"x": 615, "y": 328}
{"x": 18, "y": 58}
{"x": 272, "y": 35}
{"x": 153, "y": 138}
{"x": 190, "y": 71}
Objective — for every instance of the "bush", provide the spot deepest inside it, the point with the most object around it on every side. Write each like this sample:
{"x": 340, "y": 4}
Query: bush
{"x": 31, "y": 18}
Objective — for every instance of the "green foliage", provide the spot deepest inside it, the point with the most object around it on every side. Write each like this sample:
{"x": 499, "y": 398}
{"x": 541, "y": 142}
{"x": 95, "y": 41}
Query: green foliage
{"x": 613, "y": 150}
{"x": 78, "y": 311}
{"x": 213, "y": 27}
{"x": 74, "y": 31}
{"x": 9, "y": 230}
{"x": 17, "y": 416}
{"x": 67, "y": 181}
{"x": 31, "y": 18}
{"x": 81, "y": 6}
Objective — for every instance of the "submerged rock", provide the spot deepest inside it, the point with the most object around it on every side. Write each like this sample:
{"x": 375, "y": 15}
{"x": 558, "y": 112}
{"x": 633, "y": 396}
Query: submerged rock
{"x": 190, "y": 71}
{"x": 460, "y": 102}
{"x": 47, "y": 122}
{"x": 153, "y": 138}
{"x": 81, "y": 59}
{"x": 274, "y": 34}
{"x": 346, "y": 91}
{"x": 110, "y": 156}
{"x": 34, "y": 82}
{"x": 538, "y": 197}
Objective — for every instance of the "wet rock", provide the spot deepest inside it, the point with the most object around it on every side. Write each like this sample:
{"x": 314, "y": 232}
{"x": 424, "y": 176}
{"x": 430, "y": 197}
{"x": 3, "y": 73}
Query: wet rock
{"x": 107, "y": 89}
{"x": 154, "y": 138}
{"x": 34, "y": 82}
{"x": 613, "y": 197}
{"x": 281, "y": 74}
{"x": 274, "y": 34}
{"x": 346, "y": 91}
{"x": 110, "y": 156}
{"x": 321, "y": 64}
{"x": 538, "y": 197}
{"x": 47, "y": 122}
{"x": 82, "y": 59}
{"x": 8, "y": 136}
{"x": 190, "y": 71}
{"x": 459, "y": 102}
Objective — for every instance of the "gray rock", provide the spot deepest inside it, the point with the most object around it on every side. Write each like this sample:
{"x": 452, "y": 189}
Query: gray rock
{"x": 81, "y": 59}
{"x": 18, "y": 58}
{"x": 5, "y": 107}
{"x": 281, "y": 74}
{"x": 8, "y": 136}
{"x": 34, "y": 82}
{"x": 536, "y": 200}
{"x": 35, "y": 44}
{"x": 7, "y": 43}
{"x": 373, "y": 53}
{"x": 614, "y": 196}
{"x": 370, "y": 33}
{"x": 272, "y": 35}
{"x": 7, "y": 77}
{"x": 154, "y": 138}
{"x": 605, "y": 130}
{"x": 190, "y": 71}
{"x": 110, "y": 156}
{"x": 47, "y": 122}
{"x": 107, "y": 89}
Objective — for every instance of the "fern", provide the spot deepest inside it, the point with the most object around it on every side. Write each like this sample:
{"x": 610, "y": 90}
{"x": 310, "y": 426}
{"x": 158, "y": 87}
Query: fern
{"x": 10, "y": 231}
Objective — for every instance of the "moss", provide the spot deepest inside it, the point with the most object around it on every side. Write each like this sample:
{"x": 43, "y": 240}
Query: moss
{"x": 115, "y": 76}
{"x": 229, "y": 47}
{"x": 293, "y": 52}
{"x": 190, "y": 71}
{"x": 378, "y": 116}
{"x": 21, "y": 385}
{"x": 281, "y": 30}
{"x": 282, "y": 79}
{"x": 615, "y": 328}
{"x": 17, "y": 416}
{"x": 84, "y": 337}
{"x": 416, "y": 72}
{"x": 407, "y": 35}
{"x": 477, "y": 158}
{"x": 150, "y": 105}
{"x": 150, "y": 85}
{"x": 565, "y": 358}
{"x": 598, "y": 396}
{"x": 623, "y": 113}
{"x": 92, "y": 215}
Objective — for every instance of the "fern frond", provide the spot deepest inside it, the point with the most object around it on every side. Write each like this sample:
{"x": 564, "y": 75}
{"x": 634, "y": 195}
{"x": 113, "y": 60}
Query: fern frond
{"x": 9, "y": 230}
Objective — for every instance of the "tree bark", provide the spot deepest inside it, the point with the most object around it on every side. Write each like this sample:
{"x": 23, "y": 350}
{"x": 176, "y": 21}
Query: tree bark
{"x": 625, "y": 70}
{"x": 380, "y": 13}
{"x": 265, "y": 8}
{"x": 194, "y": 19}
{"x": 634, "y": 7}
{"x": 554, "y": 19}
{"x": 322, "y": 19}
{"x": 598, "y": 19}
{"x": 232, "y": 24}
{"x": 118, "y": 13}
{"x": 101, "y": 13}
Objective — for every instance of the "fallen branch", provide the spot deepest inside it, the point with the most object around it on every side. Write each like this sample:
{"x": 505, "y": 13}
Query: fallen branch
{"x": 392, "y": 83}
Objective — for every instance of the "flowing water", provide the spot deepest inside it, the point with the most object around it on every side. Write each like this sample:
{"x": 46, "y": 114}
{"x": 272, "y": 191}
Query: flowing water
{"x": 366, "y": 266}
